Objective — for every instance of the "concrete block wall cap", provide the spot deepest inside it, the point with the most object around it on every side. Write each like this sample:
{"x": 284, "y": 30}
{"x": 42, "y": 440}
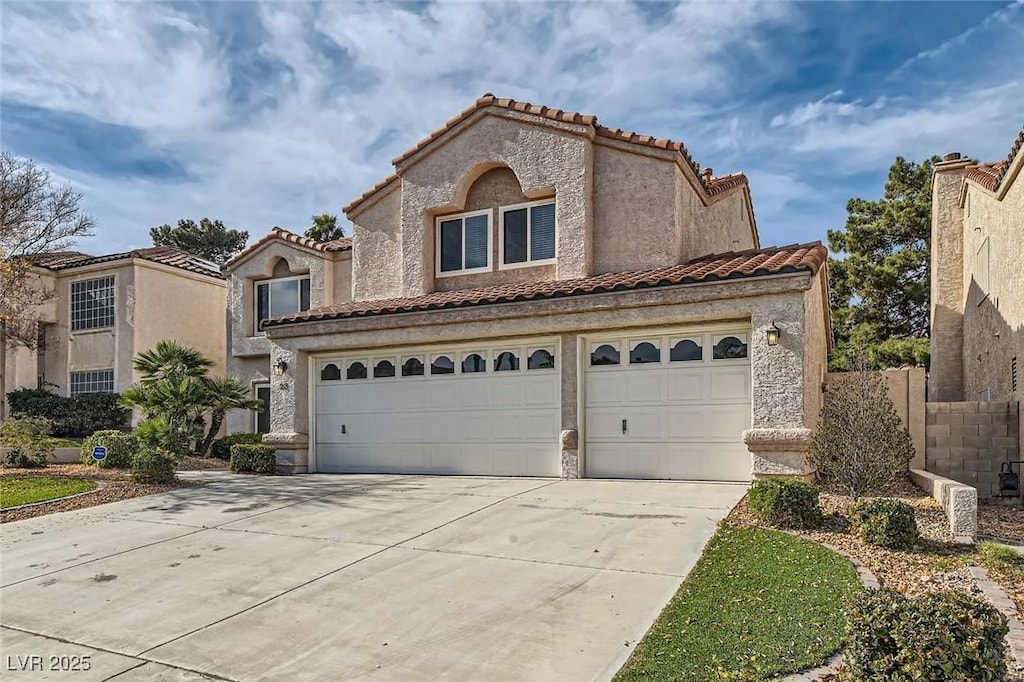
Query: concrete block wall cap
{"x": 284, "y": 438}
{"x": 799, "y": 436}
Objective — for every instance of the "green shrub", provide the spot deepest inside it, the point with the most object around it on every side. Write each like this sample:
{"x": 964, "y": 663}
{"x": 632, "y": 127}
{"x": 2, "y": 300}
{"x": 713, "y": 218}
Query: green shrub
{"x": 935, "y": 638}
{"x": 71, "y": 417}
{"x": 27, "y": 440}
{"x": 121, "y": 447}
{"x": 253, "y": 459}
{"x": 221, "y": 448}
{"x": 885, "y": 523}
{"x": 153, "y": 465}
{"x": 784, "y": 502}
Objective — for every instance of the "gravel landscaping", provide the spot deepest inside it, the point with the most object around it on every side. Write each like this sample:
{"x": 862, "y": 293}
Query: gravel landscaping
{"x": 119, "y": 487}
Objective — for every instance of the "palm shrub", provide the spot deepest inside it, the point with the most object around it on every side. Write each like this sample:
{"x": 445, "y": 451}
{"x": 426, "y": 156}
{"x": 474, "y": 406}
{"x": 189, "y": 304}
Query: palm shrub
{"x": 27, "y": 440}
{"x": 224, "y": 394}
{"x": 860, "y": 446}
{"x": 121, "y": 447}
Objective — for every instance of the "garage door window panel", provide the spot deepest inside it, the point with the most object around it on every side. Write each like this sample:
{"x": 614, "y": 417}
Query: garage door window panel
{"x": 330, "y": 372}
{"x": 506, "y": 361}
{"x": 383, "y": 369}
{"x": 645, "y": 352}
{"x": 412, "y": 367}
{"x": 442, "y": 364}
{"x": 356, "y": 370}
{"x": 473, "y": 363}
{"x": 686, "y": 350}
{"x": 542, "y": 358}
{"x": 463, "y": 243}
{"x": 730, "y": 347}
{"x": 604, "y": 355}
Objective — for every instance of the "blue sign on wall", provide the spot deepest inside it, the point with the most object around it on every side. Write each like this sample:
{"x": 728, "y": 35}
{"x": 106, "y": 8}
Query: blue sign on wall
{"x": 99, "y": 452}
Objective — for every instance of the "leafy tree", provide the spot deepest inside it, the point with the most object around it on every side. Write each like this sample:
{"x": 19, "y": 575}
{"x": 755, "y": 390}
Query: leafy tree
{"x": 209, "y": 239}
{"x": 861, "y": 446}
{"x": 325, "y": 228}
{"x": 36, "y": 216}
{"x": 880, "y": 290}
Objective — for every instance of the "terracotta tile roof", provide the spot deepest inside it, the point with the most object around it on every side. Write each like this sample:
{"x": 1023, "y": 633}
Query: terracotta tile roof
{"x": 166, "y": 255}
{"x": 343, "y": 244}
{"x": 725, "y": 266}
{"x": 990, "y": 175}
{"x": 54, "y": 259}
{"x": 489, "y": 100}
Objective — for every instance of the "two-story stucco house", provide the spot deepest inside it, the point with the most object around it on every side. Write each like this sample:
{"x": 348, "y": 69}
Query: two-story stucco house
{"x": 977, "y": 314}
{"x": 280, "y": 274}
{"x": 107, "y": 309}
{"x": 536, "y": 294}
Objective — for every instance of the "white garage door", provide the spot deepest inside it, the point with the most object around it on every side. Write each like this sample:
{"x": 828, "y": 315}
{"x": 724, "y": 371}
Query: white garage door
{"x": 668, "y": 406}
{"x": 490, "y": 410}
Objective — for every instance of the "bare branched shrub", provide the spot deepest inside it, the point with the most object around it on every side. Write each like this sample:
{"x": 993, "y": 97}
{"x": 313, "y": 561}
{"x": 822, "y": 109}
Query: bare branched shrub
{"x": 861, "y": 446}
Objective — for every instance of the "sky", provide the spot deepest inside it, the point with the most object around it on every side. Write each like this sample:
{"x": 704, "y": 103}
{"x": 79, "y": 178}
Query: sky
{"x": 263, "y": 114}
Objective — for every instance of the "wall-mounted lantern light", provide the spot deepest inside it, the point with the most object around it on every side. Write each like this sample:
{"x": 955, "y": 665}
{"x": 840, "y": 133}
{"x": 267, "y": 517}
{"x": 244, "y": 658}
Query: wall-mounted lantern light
{"x": 773, "y": 335}
{"x": 279, "y": 367}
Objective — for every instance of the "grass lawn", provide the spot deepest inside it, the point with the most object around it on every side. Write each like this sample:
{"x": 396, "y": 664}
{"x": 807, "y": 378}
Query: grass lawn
{"x": 68, "y": 442}
{"x": 17, "y": 490}
{"x": 758, "y": 603}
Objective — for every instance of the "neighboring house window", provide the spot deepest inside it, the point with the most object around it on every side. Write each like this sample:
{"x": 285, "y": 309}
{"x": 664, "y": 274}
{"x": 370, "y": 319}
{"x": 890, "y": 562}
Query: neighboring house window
{"x": 981, "y": 271}
{"x": 464, "y": 243}
{"x": 528, "y": 234}
{"x": 92, "y": 304}
{"x": 99, "y": 381}
{"x": 278, "y": 297}
{"x": 262, "y": 415}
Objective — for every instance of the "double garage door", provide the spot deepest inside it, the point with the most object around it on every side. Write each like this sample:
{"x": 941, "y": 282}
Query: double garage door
{"x": 666, "y": 405}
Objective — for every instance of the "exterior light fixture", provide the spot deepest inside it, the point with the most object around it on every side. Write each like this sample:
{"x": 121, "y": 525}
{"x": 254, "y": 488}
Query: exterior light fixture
{"x": 773, "y": 333}
{"x": 279, "y": 367}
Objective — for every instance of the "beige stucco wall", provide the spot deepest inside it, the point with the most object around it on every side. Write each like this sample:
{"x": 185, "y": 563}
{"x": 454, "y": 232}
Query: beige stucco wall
{"x": 250, "y": 370}
{"x": 993, "y": 320}
{"x": 377, "y": 254}
{"x": 188, "y": 308}
{"x": 724, "y": 225}
{"x": 780, "y": 380}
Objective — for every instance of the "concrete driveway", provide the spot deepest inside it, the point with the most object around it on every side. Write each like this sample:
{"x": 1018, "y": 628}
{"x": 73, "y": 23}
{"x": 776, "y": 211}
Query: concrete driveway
{"x": 329, "y": 577}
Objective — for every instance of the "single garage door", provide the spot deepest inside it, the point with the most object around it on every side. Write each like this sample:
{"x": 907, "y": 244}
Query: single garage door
{"x": 668, "y": 405}
{"x": 481, "y": 410}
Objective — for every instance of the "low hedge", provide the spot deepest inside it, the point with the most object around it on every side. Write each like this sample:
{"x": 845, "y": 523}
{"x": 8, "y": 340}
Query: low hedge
{"x": 221, "y": 448}
{"x": 27, "y": 442}
{"x": 71, "y": 417}
{"x": 121, "y": 448}
{"x": 253, "y": 459}
{"x": 786, "y": 503}
{"x": 885, "y": 523}
{"x": 935, "y": 638}
{"x": 153, "y": 465}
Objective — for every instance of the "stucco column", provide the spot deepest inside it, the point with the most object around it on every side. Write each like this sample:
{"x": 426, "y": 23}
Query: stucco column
{"x": 946, "y": 382}
{"x": 289, "y": 417}
{"x": 569, "y": 436}
{"x": 778, "y": 438}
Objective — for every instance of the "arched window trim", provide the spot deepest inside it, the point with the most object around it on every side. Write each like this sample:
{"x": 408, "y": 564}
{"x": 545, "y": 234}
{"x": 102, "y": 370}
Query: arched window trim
{"x": 409, "y": 371}
{"x": 634, "y": 345}
{"x": 613, "y": 345}
{"x": 515, "y": 361}
{"x": 364, "y": 366}
{"x": 696, "y": 342}
{"x": 481, "y": 358}
{"x": 533, "y": 353}
{"x": 446, "y": 356}
{"x": 719, "y": 338}
{"x": 378, "y": 363}
{"x": 330, "y": 376}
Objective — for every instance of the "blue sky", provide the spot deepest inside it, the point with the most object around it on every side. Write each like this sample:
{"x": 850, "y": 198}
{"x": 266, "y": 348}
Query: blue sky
{"x": 264, "y": 114}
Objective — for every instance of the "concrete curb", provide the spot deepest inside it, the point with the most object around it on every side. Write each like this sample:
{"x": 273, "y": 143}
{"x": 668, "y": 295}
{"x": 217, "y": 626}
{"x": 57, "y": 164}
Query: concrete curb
{"x": 100, "y": 485}
{"x": 830, "y": 668}
{"x": 1002, "y": 601}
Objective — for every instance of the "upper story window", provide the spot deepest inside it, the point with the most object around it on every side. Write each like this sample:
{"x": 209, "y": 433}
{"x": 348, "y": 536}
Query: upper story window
{"x": 464, "y": 243}
{"x": 92, "y": 303}
{"x": 278, "y": 297}
{"x": 99, "y": 381}
{"x": 528, "y": 234}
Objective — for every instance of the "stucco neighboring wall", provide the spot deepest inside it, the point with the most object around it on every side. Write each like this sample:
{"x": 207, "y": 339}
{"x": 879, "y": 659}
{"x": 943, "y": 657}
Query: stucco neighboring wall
{"x": 635, "y": 212}
{"x": 377, "y": 256}
{"x": 993, "y": 323}
{"x": 722, "y": 226}
{"x": 173, "y": 304}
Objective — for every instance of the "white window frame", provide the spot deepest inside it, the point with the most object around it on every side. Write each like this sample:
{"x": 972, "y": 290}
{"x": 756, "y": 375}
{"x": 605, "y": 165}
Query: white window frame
{"x": 437, "y": 242}
{"x": 256, "y": 386}
{"x": 71, "y": 375}
{"x": 71, "y": 304}
{"x": 528, "y": 263}
{"x": 256, "y": 299}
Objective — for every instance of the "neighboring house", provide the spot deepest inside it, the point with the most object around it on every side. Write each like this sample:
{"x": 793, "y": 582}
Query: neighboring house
{"x": 977, "y": 316}
{"x": 107, "y": 309}
{"x": 280, "y": 274}
{"x": 536, "y": 294}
